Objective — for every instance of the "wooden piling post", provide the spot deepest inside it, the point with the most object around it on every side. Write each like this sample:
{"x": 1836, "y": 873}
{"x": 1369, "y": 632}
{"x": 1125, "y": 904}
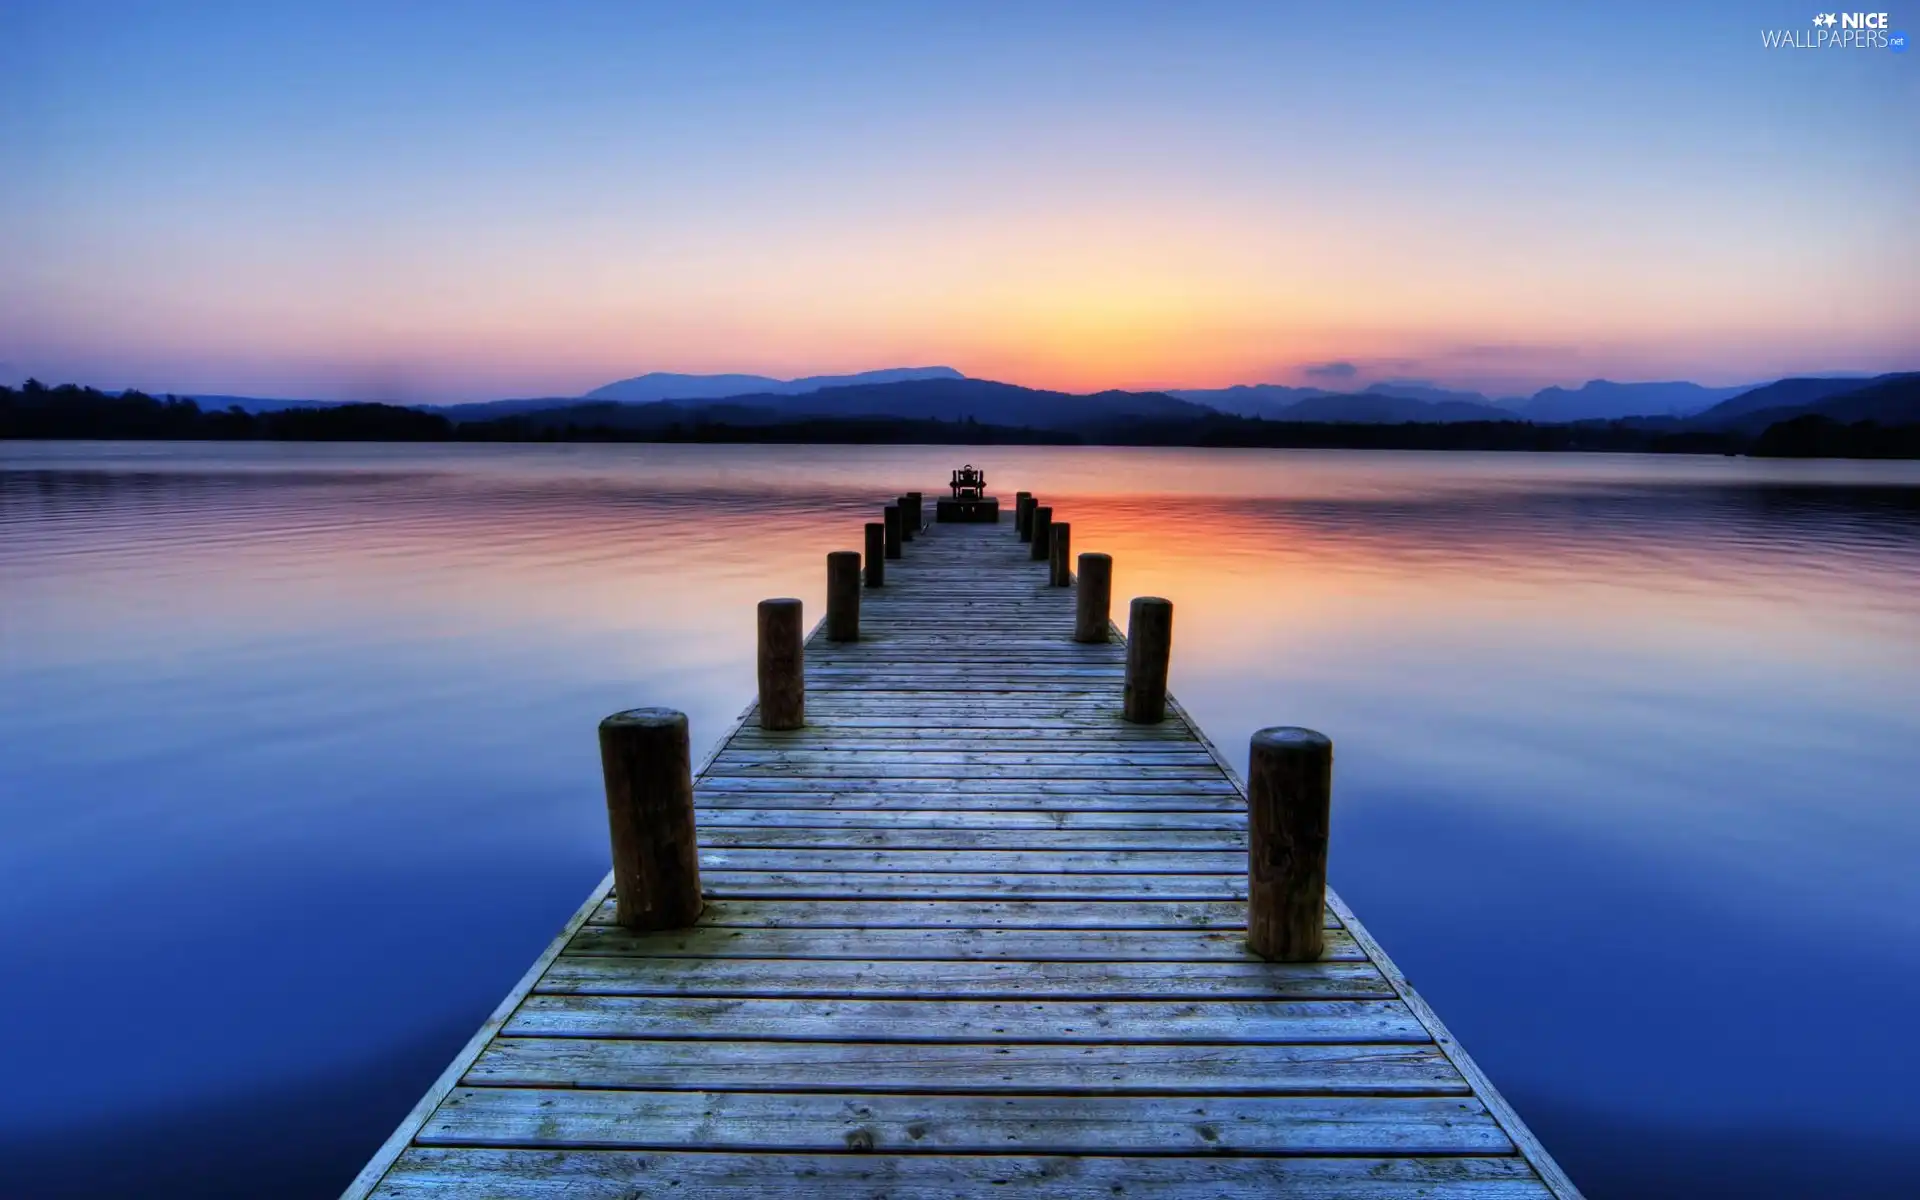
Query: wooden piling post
{"x": 906, "y": 518}
{"x": 1092, "y": 605}
{"x": 646, "y": 761}
{"x": 1023, "y": 516}
{"x": 1149, "y": 649}
{"x": 918, "y": 511}
{"x": 1059, "y": 543}
{"x": 843, "y": 596}
{"x": 876, "y": 554}
{"x": 1039, "y": 521}
{"x": 1289, "y": 805}
{"x": 893, "y": 515}
{"x": 783, "y": 689}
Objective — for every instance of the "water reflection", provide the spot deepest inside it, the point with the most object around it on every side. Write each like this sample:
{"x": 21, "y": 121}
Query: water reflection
{"x": 297, "y": 770}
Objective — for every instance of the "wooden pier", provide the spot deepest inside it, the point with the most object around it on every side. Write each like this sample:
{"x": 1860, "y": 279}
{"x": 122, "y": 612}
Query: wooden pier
{"x": 967, "y": 932}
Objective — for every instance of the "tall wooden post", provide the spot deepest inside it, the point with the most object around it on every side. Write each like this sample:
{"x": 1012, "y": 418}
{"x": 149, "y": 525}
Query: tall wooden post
{"x": 1092, "y": 605}
{"x": 843, "y": 596}
{"x": 918, "y": 512}
{"x": 783, "y": 689}
{"x": 1289, "y": 806}
{"x": 1059, "y": 543}
{"x": 1039, "y": 521}
{"x": 648, "y": 767}
{"x": 876, "y": 554}
{"x": 1023, "y": 516}
{"x": 906, "y": 518}
{"x": 1149, "y": 650}
{"x": 892, "y": 522}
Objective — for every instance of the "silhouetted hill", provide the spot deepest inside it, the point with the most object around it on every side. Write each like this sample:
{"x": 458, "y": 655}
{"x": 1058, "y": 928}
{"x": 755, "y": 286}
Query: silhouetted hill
{"x": 666, "y": 385}
{"x": 979, "y": 400}
{"x": 1383, "y": 403}
{"x": 1385, "y": 408}
{"x": 1890, "y": 400}
{"x": 1604, "y": 400}
{"x": 1782, "y": 397}
{"x": 983, "y": 401}
{"x": 620, "y": 415}
{"x": 484, "y": 410}
{"x": 1250, "y": 399}
{"x": 1426, "y": 392}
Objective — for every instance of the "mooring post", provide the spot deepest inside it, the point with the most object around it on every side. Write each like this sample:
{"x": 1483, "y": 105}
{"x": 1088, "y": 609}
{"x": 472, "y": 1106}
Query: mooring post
{"x": 648, "y": 767}
{"x": 783, "y": 689}
{"x": 1149, "y": 649}
{"x": 843, "y": 596}
{"x": 1023, "y": 516}
{"x": 906, "y": 518}
{"x": 876, "y": 554}
{"x": 1039, "y": 521}
{"x": 1092, "y": 605}
{"x": 1289, "y": 806}
{"x": 1059, "y": 543}
{"x": 893, "y": 516}
{"x": 917, "y": 509}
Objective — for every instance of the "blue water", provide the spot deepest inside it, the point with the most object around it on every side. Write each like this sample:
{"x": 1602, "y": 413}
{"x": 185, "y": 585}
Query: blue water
{"x": 297, "y": 769}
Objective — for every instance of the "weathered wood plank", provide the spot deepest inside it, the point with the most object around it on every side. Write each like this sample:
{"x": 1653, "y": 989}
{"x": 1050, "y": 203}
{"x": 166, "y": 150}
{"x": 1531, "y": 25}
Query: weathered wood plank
{"x": 974, "y": 1069}
{"x": 871, "y": 945}
{"x": 962, "y": 1124}
{"x": 968, "y": 914}
{"x": 473, "y": 1174}
{"x": 822, "y": 817}
{"x": 773, "y": 837}
{"x": 1073, "y": 769}
{"x": 841, "y": 885}
{"x": 1039, "y": 785}
{"x": 1191, "y": 762}
{"x": 967, "y": 1020}
{"x": 976, "y": 979}
{"x": 988, "y": 862}
{"x": 908, "y": 735}
{"x": 963, "y": 745}
{"x": 975, "y": 804}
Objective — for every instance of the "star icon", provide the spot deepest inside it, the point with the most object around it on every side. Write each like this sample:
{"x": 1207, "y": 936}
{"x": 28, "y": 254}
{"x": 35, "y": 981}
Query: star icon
{"x": 1826, "y": 19}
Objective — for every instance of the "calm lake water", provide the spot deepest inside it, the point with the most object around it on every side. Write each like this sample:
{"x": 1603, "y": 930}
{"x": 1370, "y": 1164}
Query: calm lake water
{"x": 298, "y": 772}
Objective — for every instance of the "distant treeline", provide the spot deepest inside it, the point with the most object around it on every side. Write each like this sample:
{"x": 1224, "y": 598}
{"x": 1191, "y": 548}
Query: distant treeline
{"x": 72, "y": 412}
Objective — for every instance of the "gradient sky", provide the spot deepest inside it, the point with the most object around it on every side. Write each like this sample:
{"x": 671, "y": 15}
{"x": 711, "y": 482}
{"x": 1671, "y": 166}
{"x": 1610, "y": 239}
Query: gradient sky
{"x": 465, "y": 201}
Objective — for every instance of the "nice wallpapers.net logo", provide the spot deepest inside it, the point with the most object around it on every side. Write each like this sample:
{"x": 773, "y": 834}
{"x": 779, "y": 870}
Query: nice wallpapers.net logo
{"x": 1838, "y": 31}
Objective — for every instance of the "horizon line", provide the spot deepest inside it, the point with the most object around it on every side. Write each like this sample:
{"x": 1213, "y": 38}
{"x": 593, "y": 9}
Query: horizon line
{"x": 1355, "y": 390}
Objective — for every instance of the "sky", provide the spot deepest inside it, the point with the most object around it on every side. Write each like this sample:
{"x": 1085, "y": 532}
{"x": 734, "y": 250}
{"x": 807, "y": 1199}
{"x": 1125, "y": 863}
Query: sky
{"x": 437, "y": 202}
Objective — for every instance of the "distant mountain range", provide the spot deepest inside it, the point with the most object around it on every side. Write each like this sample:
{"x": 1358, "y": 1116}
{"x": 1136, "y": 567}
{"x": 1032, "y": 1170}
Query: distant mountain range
{"x": 1378, "y": 404}
{"x": 662, "y": 399}
{"x": 664, "y": 385}
{"x": 955, "y": 398}
{"x": 1604, "y": 400}
{"x": 1821, "y": 417}
{"x": 951, "y": 397}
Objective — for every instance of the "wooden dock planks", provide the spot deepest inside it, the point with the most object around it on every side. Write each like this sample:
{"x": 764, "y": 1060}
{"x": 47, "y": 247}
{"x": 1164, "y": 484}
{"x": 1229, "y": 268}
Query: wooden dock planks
{"x": 968, "y": 933}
